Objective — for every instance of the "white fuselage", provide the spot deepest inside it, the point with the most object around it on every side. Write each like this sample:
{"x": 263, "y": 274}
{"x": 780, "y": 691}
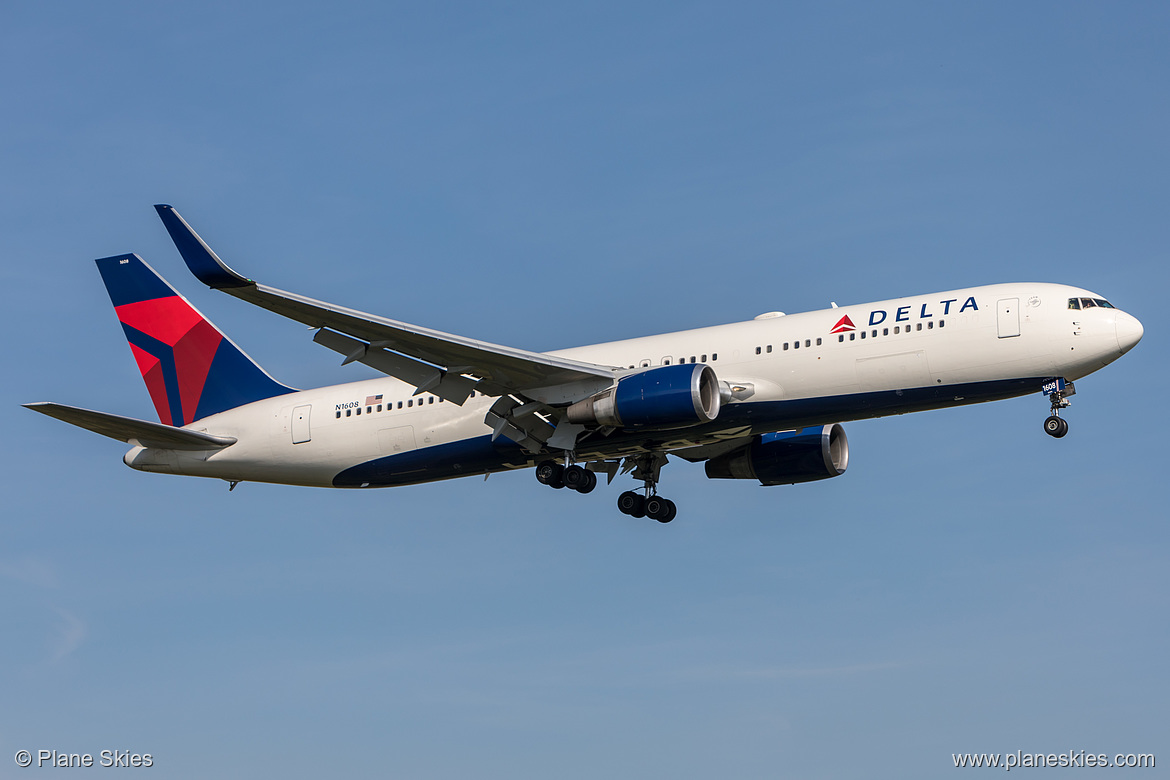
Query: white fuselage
{"x": 906, "y": 354}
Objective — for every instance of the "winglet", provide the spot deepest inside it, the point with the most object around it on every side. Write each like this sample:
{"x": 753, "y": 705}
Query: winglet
{"x": 203, "y": 262}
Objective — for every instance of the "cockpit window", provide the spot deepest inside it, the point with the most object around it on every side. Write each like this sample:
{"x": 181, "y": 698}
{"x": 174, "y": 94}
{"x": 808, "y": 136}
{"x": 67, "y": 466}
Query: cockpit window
{"x": 1104, "y": 304}
{"x": 1074, "y": 303}
{"x": 1087, "y": 303}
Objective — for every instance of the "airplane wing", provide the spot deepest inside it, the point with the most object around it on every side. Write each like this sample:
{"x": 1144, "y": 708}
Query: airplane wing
{"x": 130, "y": 430}
{"x": 441, "y": 363}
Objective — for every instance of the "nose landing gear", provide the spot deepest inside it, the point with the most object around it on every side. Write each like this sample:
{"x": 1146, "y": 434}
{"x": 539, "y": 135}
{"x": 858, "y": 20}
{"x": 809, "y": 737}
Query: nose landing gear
{"x": 1055, "y": 427}
{"x": 1057, "y": 390}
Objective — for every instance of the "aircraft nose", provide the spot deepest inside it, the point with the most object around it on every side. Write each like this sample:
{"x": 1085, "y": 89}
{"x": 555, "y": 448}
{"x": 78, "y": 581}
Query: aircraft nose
{"x": 1129, "y": 331}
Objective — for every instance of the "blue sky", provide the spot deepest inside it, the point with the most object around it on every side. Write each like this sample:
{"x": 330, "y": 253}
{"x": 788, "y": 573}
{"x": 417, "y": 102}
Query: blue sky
{"x": 547, "y": 175}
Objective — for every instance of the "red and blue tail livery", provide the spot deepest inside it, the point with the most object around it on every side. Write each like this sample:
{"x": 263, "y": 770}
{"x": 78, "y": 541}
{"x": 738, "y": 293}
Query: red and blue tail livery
{"x": 191, "y": 369}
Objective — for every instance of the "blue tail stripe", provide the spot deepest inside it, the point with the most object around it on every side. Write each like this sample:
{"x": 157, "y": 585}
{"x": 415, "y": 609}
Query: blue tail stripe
{"x": 166, "y": 357}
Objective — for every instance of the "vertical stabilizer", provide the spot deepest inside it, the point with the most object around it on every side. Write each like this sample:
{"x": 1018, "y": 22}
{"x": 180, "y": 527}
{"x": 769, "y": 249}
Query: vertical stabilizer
{"x": 190, "y": 367}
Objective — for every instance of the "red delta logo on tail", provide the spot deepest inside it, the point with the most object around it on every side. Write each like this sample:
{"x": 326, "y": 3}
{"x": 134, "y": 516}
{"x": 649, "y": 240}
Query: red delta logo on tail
{"x": 191, "y": 369}
{"x": 168, "y": 331}
{"x": 843, "y": 324}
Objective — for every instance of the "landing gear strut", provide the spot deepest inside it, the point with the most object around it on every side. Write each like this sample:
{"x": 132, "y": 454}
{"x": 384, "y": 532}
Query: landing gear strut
{"x": 648, "y": 503}
{"x": 1056, "y": 390}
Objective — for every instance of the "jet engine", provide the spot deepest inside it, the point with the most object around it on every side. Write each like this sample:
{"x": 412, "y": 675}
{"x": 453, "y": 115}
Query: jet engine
{"x": 664, "y": 397}
{"x": 786, "y": 458}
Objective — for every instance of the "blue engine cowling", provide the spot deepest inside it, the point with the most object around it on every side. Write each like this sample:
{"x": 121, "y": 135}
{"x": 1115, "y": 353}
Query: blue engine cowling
{"x": 664, "y": 397}
{"x": 786, "y": 458}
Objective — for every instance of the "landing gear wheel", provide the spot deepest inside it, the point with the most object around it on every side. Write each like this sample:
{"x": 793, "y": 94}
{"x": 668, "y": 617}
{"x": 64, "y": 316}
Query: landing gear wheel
{"x": 661, "y": 509}
{"x": 551, "y": 473}
{"x": 632, "y": 504}
{"x": 576, "y": 477}
{"x": 589, "y": 483}
{"x": 1055, "y": 427}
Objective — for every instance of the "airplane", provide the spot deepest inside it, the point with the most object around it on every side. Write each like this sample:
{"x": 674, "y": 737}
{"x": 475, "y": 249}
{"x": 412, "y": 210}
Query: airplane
{"x": 759, "y": 400}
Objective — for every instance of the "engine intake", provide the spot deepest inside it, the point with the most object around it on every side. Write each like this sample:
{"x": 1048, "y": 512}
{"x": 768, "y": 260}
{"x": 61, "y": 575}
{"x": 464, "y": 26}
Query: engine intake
{"x": 664, "y": 397}
{"x": 786, "y": 458}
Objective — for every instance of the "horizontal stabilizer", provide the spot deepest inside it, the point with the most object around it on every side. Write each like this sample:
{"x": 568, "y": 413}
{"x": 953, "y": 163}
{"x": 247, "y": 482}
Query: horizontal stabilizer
{"x": 132, "y": 431}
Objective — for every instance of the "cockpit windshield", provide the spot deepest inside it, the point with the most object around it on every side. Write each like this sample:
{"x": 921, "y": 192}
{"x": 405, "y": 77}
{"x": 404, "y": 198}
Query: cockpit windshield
{"x": 1088, "y": 303}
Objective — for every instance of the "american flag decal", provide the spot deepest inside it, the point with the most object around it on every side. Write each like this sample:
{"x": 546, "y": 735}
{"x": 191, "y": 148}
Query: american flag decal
{"x": 373, "y": 399}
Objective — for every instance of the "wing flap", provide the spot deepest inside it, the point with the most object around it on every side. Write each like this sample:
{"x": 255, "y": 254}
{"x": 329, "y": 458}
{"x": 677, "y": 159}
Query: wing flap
{"x": 131, "y": 430}
{"x": 426, "y": 377}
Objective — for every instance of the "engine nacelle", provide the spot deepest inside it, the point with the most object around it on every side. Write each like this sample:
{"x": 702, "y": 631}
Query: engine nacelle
{"x": 786, "y": 458}
{"x": 664, "y": 397}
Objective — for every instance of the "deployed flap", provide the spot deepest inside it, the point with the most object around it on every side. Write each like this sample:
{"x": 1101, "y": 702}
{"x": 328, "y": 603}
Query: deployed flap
{"x": 500, "y": 369}
{"x": 448, "y": 385}
{"x": 130, "y": 430}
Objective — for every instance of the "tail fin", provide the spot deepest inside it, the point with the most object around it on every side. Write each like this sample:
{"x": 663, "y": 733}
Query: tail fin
{"x": 190, "y": 367}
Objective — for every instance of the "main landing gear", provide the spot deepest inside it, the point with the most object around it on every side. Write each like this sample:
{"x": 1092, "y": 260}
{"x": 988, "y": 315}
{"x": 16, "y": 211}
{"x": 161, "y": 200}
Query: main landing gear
{"x": 647, "y": 503}
{"x": 653, "y": 506}
{"x": 1056, "y": 390}
{"x": 574, "y": 477}
{"x": 644, "y": 503}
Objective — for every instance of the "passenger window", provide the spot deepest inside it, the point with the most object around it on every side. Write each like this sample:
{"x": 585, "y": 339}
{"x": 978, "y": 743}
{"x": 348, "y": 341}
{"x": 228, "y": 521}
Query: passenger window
{"x": 896, "y": 330}
{"x": 359, "y": 411}
{"x": 863, "y": 334}
{"x": 339, "y": 414}
{"x": 919, "y": 326}
{"x": 369, "y": 410}
{"x": 379, "y": 407}
{"x": 853, "y": 336}
{"x": 758, "y": 350}
{"x": 347, "y": 412}
{"x": 941, "y": 323}
{"x": 1074, "y": 303}
{"x": 769, "y": 349}
{"x": 818, "y": 341}
{"x": 666, "y": 361}
{"x": 785, "y": 347}
{"x": 808, "y": 343}
{"x": 431, "y": 400}
{"x": 796, "y": 345}
{"x": 410, "y": 402}
{"x": 714, "y": 356}
{"x": 703, "y": 359}
{"x": 930, "y": 325}
{"x": 400, "y": 403}
{"x": 875, "y": 333}
{"x": 885, "y": 331}
{"x": 841, "y": 338}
